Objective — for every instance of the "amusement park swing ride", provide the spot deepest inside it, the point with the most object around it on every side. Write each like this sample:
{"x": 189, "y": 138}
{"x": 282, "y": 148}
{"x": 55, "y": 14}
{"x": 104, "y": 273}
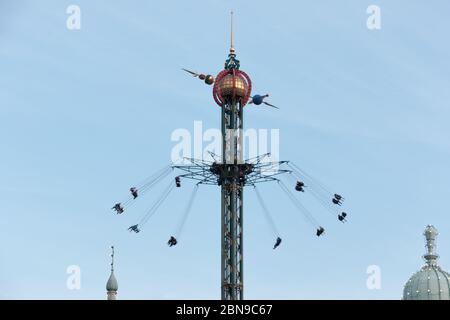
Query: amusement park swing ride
{"x": 232, "y": 91}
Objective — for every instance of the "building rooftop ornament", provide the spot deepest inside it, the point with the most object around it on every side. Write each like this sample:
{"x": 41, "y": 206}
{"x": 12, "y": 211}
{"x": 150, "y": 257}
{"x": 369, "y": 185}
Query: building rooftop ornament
{"x": 430, "y": 282}
{"x": 430, "y": 237}
{"x": 112, "y": 286}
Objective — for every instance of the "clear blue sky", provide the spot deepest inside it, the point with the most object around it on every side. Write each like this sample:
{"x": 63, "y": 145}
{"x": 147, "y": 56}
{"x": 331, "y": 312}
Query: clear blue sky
{"x": 86, "y": 114}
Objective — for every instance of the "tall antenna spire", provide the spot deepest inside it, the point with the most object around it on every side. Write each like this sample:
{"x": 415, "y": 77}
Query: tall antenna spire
{"x": 232, "y": 36}
{"x": 232, "y": 62}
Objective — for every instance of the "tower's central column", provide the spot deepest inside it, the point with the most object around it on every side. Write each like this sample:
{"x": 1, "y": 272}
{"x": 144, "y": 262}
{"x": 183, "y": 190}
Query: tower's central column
{"x": 232, "y": 89}
{"x": 232, "y": 200}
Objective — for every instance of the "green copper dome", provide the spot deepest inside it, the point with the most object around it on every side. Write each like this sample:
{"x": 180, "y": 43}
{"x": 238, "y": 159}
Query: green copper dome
{"x": 430, "y": 282}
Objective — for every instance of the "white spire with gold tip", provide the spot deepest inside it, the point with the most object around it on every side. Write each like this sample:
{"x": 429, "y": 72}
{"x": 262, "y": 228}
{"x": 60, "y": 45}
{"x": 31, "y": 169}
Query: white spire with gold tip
{"x": 232, "y": 62}
{"x": 112, "y": 286}
{"x": 232, "y": 51}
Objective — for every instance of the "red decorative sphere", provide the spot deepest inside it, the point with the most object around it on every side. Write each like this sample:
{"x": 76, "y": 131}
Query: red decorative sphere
{"x": 232, "y": 85}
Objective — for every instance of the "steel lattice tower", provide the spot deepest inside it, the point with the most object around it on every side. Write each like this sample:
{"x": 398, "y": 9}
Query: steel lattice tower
{"x": 232, "y": 173}
{"x": 231, "y": 91}
{"x": 232, "y": 198}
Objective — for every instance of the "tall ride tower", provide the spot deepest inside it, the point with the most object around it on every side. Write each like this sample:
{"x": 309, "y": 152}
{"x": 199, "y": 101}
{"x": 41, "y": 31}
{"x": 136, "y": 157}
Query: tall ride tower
{"x": 231, "y": 91}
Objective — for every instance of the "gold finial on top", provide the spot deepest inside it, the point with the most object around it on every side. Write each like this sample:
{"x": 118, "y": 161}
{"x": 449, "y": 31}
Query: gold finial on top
{"x": 232, "y": 36}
